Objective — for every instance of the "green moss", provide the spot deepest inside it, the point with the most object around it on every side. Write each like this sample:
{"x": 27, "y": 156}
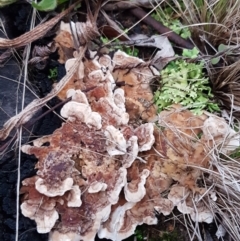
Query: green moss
{"x": 185, "y": 83}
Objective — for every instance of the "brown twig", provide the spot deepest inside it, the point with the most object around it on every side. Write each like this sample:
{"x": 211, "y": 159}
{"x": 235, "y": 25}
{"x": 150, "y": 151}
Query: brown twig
{"x": 36, "y": 33}
{"x": 26, "y": 114}
{"x": 4, "y": 145}
{"x": 175, "y": 38}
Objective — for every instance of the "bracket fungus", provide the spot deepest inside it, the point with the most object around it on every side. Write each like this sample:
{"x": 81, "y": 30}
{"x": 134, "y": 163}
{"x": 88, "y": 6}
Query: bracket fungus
{"x": 134, "y": 191}
{"x": 103, "y": 172}
{"x": 187, "y": 204}
{"x": 83, "y": 170}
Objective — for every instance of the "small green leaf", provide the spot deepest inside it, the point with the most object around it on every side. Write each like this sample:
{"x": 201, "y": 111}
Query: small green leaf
{"x": 222, "y": 47}
{"x": 190, "y": 53}
{"x": 45, "y": 5}
{"x": 215, "y": 60}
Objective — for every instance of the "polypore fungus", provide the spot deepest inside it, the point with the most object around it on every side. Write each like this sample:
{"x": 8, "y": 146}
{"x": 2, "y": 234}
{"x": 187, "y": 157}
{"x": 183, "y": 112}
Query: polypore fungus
{"x": 116, "y": 143}
{"x": 83, "y": 170}
{"x": 217, "y": 131}
{"x": 189, "y": 204}
{"x": 104, "y": 171}
{"x": 135, "y": 191}
{"x": 136, "y": 85}
{"x": 81, "y": 111}
{"x": 45, "y": 215}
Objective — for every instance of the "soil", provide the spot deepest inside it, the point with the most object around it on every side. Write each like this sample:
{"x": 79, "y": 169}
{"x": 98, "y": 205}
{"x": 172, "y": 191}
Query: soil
{"x": 17, "y": 21}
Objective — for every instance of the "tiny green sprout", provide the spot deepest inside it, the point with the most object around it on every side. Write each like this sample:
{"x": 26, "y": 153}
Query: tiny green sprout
{"x": 104, "y": 40}
{"x": 53, "y": 73}
{"x": 235, "y": 154}
{"x": 45, "y": 5}
{"x": 131, "y": 51}
{"x": 139, "y": 235}
{"x": 221, "y": 48}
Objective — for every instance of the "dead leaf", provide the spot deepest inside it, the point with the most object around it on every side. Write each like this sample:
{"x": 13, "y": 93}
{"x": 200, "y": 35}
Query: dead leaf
{"x": 165, "y": 52}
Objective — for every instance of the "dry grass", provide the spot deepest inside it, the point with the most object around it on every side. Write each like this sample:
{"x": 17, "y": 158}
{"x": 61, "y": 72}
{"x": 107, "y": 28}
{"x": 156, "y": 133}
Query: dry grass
{"x": 216, "y": 21}
{"x": 226, "y": 87}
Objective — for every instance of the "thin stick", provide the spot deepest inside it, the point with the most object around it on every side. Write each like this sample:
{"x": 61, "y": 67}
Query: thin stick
{"x": 28, "y": 49}
{"x": 26, "y": 114}
{"x": 138, "y": 12}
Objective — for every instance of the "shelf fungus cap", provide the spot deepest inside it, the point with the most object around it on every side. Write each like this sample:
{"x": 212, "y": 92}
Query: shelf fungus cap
{"x": 74, "y": 197}
{"x": 163, "y": 205}
{"x": 132, "y": 152}
{"x": 96, "y": 187}
{"x": 216, "y": 128}
{"x": 113, "y": 195}
{"x": 145, "y": 136}
{"x": 121, "y": 58}
{"x": 38, "y": 207}
{"x": 69, "y": 236}
{"x": 119, "y": 99}
{"x": 78, "y": 96}
{"x": 58, "y": 189}
{"x": 178, "y": 195}
{"x": 45, "y": 219}
{"x": 111, "y": 228}
{"x": 74, "y": 110}
{"x": 183, "y": 199}
{"x": 116, "y": 143}
{"x": 135, "y": 191}
{"x": 80, "y": 70}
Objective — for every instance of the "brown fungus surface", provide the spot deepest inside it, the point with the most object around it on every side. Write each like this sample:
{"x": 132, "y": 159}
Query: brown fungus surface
{"x": 83, "y": 169}
{"x": 105, "y": 172}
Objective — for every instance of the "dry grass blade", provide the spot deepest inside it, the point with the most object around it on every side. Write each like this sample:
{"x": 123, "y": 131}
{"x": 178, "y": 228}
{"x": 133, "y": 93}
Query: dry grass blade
{"x": 25, "y": 115}
{"x": 226, "y": 87}
{"x": 5, "y": 55}
{"x": 217, "y": 21}
{"x": 226, "y": 180}
{"x": 36, "y": 33}
{"x": 114, "y": 25}
{"x": 19, "y": 134}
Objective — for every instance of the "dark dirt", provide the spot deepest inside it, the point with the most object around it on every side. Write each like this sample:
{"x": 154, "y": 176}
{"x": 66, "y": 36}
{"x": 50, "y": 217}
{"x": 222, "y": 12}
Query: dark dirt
{"x": 16, "y": 21}
{"x": 8, "y": 163}
{"x": 10, "y": 97}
